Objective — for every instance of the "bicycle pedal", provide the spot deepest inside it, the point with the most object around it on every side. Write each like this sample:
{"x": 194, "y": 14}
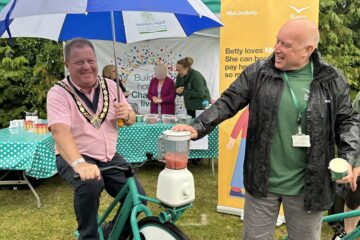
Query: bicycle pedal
{"x": 106, "y": 228}
{"x": 339, "y": 236}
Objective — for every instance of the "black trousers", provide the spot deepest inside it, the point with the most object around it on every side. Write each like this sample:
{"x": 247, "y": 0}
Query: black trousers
{"x": 353, "y": 198}
{"x": 87, "y": 193}
{"x": 344, "y": 195}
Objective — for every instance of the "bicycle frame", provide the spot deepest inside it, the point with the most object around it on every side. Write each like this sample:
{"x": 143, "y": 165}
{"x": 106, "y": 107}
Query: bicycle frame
{"x": 132, "y": 206}
{"x": 339, "y": 217}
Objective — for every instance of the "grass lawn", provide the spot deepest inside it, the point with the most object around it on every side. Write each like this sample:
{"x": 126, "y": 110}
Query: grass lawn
{"x": 20, "y": 219}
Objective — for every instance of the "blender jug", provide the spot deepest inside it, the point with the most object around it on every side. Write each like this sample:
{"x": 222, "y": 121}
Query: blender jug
{"x": 175, "y": 186}
{"x": 173, "y": 147}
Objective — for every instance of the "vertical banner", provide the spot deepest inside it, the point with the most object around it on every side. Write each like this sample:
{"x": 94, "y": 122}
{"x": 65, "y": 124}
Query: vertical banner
{"x": 248, "y": 35}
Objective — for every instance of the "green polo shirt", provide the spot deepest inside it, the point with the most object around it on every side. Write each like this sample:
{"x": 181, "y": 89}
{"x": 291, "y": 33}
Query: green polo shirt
{"x": 287, "y": 163}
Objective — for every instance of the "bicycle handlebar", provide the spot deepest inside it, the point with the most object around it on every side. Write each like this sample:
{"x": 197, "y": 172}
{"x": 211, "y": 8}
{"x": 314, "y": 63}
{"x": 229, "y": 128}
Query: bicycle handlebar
{"x": 128, "y": 170}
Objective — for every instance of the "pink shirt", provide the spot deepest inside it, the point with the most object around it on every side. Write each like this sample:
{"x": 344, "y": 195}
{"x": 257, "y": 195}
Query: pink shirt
{"x": 96, "y": 143}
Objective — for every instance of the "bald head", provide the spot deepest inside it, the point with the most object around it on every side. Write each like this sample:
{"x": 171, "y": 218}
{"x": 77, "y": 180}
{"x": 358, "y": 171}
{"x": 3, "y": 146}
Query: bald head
{"x": 296, "y": 41}
{"x": 304, "y": 30}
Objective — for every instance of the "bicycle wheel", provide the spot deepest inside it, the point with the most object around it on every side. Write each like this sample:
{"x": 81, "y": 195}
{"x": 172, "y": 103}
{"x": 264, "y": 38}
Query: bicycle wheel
{"x": 152, "y": 229}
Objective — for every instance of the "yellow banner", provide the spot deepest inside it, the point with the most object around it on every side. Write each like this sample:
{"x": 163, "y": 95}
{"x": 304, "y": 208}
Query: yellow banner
{"x": 249, "y": 34}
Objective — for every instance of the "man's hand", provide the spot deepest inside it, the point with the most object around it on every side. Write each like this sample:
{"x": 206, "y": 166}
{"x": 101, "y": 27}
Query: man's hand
{"x": 88, "y": 171}
{"x": 122, "y": 111}
{"x": 356, "y": 174}
{"x": 348, "y": 178}
{"x": 183, "y": 127}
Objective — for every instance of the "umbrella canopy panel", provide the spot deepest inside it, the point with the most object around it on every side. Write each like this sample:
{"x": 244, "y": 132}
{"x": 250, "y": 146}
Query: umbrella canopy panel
{"x": 22, "y": 8}
{"x": 130, "y": 26}
{"x": 135, "y": 20}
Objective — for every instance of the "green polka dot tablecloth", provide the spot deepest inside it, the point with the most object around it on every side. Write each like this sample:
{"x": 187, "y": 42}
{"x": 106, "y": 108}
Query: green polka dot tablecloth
{"x": 21, "y": 150}
{"x": 135, "y": 141}
{"x": 34, "y": 153}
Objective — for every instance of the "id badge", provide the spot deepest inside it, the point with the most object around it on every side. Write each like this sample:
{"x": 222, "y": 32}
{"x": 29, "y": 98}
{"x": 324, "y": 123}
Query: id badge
{"x": 301, "y": 140}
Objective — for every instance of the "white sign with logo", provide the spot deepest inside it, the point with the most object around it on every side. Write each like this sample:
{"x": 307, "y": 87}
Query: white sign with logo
{"x": 149, "y": 25}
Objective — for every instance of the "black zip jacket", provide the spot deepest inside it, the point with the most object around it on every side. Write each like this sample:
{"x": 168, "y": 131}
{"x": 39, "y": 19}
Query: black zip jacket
{"x": 331, "y": 121}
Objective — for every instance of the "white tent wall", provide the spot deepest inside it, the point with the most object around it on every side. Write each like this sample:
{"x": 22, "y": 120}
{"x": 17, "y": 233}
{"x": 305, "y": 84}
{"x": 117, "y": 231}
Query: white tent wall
{"x": 136, "y": 62}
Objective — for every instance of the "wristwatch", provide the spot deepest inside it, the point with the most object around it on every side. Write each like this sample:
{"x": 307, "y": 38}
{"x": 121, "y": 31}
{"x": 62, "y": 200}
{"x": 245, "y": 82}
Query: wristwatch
{"x": 77, "y": 162}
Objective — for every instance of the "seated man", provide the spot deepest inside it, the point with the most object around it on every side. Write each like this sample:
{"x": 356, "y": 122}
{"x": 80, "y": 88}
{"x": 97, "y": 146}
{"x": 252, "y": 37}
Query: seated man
{"x": 353, "y": 199}
{"x": 345, "y": 200}
{"x": 82, "y": 115}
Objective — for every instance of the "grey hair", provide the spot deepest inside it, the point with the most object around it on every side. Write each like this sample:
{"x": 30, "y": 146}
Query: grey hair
{"x": 76, "y": 43}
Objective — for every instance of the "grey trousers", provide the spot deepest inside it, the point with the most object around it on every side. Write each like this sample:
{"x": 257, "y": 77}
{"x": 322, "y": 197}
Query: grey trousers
{"x": 260, "y": 215}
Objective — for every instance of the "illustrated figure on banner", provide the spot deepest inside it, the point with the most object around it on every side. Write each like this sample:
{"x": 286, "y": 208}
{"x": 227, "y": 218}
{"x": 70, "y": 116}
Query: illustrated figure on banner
{"x": 237, "y": 181}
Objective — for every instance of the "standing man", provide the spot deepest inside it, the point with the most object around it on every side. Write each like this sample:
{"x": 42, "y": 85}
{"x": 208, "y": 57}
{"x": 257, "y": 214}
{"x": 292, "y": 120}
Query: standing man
{"x": 82, "y": 114}
{"x": 299, "y": 109}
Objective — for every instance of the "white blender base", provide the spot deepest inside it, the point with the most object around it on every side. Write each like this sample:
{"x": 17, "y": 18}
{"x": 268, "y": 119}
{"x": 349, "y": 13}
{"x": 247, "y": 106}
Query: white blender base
{"x": 175, "y": 187}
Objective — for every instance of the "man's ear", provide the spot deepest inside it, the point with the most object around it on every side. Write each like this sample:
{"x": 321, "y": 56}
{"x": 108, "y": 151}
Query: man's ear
{"x": 309, "y": 50}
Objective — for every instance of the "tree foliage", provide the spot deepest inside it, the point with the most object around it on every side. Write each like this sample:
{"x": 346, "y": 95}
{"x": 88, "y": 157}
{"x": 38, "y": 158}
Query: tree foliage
{"x": 339, "y": 24}
{"x": 14, "y": 82}
{"x": 27, "y": 71}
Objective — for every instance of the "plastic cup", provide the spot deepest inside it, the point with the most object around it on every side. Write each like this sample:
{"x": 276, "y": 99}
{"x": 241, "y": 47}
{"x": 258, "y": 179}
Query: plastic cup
{"x": 338, "y": 168}
{"x": 139, "y": 118}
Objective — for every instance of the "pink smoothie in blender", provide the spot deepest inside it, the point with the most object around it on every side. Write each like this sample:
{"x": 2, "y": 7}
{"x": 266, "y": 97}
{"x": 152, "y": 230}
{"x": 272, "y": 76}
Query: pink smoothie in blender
{"x": 176, "y": 160}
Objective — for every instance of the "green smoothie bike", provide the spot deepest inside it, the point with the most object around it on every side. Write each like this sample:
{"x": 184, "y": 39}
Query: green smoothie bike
{"x": 146, "y": 227}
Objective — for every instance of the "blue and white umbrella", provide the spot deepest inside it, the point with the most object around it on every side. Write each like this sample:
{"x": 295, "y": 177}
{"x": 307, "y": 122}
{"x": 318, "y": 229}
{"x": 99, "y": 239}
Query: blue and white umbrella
{"x": 134, "y": 20}
{"x": 123, "y": 21}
